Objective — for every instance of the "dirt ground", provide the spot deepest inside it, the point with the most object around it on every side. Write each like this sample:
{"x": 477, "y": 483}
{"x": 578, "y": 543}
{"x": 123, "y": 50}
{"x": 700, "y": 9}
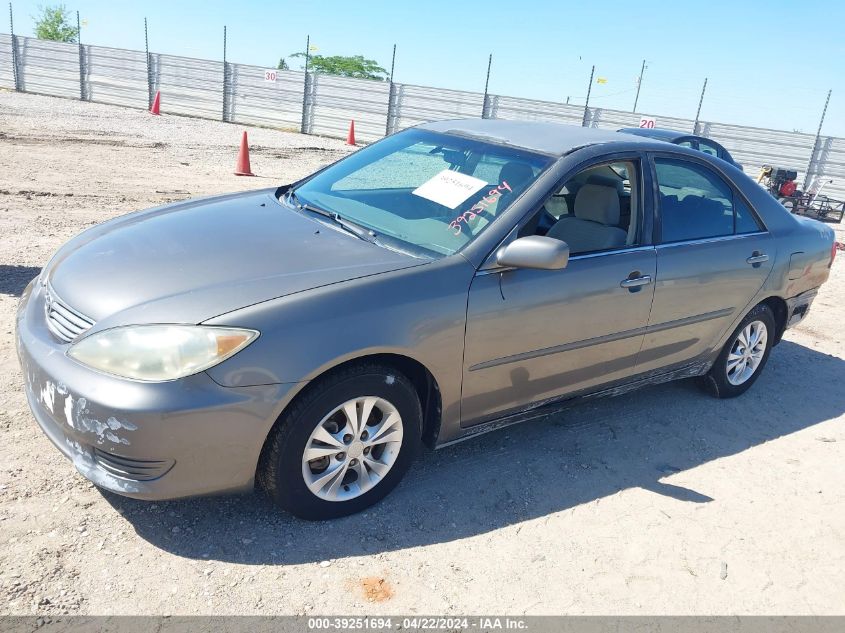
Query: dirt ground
{"x": 664, "y": 501}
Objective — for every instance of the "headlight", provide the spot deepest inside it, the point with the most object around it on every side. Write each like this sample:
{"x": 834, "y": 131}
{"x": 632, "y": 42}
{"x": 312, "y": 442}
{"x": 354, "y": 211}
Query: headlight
{"x": 159, "y": 352}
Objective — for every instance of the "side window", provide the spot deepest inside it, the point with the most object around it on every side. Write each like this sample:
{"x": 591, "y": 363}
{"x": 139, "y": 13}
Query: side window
{"x": 695, "y": 203}
{"x": 595, "y": 210}
{"x": 708, "y": 148}
{"x": 745, "y": 220}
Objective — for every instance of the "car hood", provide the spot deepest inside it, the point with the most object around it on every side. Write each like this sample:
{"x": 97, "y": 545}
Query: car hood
{"x": 190, "y": 261}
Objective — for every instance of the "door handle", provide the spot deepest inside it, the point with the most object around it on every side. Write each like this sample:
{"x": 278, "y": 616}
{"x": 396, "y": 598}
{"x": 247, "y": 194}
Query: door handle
{"x": 636, "y": 282}
{"x": 757, "y": 258}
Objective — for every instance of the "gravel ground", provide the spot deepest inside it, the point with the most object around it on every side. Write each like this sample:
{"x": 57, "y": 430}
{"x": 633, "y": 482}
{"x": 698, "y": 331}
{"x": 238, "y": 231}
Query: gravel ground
{"x": 664, "y": 501}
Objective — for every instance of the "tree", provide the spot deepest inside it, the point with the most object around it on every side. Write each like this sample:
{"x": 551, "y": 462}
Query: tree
{"x": 54, "y": 24}
{"x": 283, "y": 65}
{"x": 345, "y": 66}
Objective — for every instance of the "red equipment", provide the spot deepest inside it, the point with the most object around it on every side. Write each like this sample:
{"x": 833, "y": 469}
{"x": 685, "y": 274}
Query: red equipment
{"x": 788, "y": 188}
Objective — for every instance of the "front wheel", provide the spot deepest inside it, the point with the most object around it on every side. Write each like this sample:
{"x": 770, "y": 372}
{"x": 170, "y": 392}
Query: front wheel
{"x": 344, "y": 444}
{"x": 744, "y": 355}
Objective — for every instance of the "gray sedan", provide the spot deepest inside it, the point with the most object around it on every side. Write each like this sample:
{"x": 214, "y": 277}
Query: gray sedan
{"x": 448, "y": 280}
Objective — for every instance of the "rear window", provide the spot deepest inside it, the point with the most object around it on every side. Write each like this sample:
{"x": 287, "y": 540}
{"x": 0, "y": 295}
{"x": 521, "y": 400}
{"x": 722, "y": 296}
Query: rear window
{"x": 696, "y": 203}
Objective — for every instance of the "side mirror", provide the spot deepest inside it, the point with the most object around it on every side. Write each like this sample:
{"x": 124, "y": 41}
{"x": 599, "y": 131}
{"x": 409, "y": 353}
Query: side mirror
{"x": 534, "y": 251}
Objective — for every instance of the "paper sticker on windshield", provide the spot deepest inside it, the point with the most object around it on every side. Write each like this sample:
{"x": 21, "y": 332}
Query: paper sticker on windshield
{"x": 449, "y": 188}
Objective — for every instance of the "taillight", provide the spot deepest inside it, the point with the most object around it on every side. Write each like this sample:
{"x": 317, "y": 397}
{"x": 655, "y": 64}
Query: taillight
{"x": 836, "y": 246}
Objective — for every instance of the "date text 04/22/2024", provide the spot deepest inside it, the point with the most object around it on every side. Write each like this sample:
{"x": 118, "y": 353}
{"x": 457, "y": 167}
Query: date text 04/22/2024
{"x": 419, "y": 623}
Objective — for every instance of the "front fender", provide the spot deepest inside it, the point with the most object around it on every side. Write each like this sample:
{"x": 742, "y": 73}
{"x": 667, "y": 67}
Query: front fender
{"x": 418, "y": 312}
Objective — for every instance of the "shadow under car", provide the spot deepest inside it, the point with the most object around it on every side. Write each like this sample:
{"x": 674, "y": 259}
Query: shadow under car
{"x": 516, "y": 474}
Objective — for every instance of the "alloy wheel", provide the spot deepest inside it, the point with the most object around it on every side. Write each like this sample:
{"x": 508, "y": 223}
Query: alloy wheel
{"x": 352, "y": 449}
{"x": 747, "y": 352}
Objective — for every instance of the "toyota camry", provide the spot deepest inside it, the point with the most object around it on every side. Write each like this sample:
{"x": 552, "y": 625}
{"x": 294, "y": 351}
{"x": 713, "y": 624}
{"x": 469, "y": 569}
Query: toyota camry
{"x": 447, "y": 280}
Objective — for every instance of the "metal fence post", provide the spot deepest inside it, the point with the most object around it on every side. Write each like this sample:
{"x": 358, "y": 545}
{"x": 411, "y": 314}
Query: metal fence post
{"x": 391, "y": 93}
{"x": 83, "y": 66}
{"x": 392, "y": 63}
{"x": 585, "y": 120}
{"x": 816, "y": 142}
{"x": 306, "y": 97}
{"x": 225, "y": 78}
{"x": 391, "y": 110}
{"x": 149, "y": 67}
{"x": 307, "y": 102}
{"x": 639, "y": 85}
{"x": 698, "y": 112}
{"x": 485, "y": 105}
{"x": 15, "y": 69}
{"x": 491, "y": 107}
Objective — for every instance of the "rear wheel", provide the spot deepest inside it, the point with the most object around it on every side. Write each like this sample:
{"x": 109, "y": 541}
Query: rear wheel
{"x": 344, "y": 444}
{"x": 744, "y": 355}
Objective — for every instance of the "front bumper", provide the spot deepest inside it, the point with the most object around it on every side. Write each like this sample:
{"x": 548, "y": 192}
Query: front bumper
{"x": 145, "y": 440}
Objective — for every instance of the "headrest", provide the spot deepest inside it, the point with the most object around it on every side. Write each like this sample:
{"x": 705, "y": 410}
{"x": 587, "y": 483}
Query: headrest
{"x": 516, "y": 174}
{"x": 597, "y": 204}
{"x": 606, "y": 181}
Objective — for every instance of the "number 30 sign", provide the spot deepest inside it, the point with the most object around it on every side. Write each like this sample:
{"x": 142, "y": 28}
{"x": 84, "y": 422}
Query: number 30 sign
{"x": 269, "y": 75}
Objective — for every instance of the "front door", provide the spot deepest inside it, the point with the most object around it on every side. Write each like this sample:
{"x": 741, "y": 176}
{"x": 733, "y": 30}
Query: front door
{"x": 539, "y": 335}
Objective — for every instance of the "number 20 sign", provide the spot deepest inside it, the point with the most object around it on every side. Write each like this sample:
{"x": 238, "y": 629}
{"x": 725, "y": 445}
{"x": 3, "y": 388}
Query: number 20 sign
{"x": 647, "y": 123}
{"x": 269, "y": 75}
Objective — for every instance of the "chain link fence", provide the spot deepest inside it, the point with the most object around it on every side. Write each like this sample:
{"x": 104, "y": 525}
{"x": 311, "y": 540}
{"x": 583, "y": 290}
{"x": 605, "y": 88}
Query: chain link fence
{"x": 324, "y": 104}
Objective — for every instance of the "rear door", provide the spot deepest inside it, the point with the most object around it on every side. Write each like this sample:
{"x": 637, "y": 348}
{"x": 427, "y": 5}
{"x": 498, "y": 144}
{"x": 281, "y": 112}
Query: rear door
{"x": 713, "y": 256}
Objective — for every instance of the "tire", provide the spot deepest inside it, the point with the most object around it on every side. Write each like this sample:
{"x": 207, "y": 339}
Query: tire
{"x": 719, "y": 381}
{"x": 362, "y": 478}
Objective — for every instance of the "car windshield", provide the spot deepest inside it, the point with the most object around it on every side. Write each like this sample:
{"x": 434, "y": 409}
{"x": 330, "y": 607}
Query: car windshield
{"x": 427, "y": 193}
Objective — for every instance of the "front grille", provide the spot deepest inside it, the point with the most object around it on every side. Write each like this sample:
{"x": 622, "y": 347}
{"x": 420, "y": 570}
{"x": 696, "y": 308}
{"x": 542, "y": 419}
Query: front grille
{"x": 134, "y": 469}
{"x": 63, "y": 321}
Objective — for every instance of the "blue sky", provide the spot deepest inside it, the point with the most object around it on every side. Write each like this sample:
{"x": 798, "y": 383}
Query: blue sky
{"x": 761, "y": 70}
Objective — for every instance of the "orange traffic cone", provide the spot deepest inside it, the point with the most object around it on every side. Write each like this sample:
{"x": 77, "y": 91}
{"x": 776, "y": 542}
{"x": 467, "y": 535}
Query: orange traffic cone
{"x": 156, "y": 103}
{"x": 242, "y": 167}
{"x": 350, "y": 138}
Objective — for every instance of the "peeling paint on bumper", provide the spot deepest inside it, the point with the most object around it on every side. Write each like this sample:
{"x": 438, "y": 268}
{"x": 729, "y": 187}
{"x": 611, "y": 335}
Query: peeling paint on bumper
{"x": 212, "y": 435}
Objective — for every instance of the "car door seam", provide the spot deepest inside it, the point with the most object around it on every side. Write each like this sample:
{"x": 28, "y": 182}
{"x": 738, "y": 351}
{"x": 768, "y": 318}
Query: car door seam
{"x": 755, "y": 299}
{"x": 651, "y": 305}
{"x": 464, "y": 347}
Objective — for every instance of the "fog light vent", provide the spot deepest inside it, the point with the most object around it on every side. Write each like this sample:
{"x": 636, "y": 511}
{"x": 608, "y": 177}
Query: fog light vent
{"x": 129, "y": 468}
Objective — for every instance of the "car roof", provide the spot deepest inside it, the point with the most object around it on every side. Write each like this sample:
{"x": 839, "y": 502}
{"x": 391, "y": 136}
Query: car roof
{"x": 661, "y": 133}
{"x": 544, "y": 137}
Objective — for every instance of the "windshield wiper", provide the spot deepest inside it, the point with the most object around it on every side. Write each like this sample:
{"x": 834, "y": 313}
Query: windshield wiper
{"x": 348, "y": 225}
